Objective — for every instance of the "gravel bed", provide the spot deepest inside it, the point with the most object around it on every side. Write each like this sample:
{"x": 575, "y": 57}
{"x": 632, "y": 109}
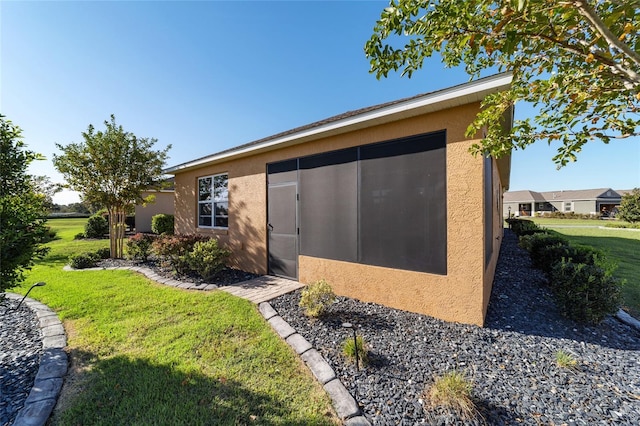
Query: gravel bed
{"x": 225, "y": 277}
{"x": 511, "y": 361}
{"x": 20, "y": 351}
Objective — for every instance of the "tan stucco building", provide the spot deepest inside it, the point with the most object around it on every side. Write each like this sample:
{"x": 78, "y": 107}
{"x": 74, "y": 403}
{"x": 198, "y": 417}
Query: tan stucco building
{"x": 386, "y": 203}
{"x": 163, "y": 203}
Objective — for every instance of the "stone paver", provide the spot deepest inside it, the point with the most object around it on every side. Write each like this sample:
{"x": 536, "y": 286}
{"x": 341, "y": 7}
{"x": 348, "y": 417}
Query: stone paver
{"x": 281, "y": 327}
{"x": 357, "y": 421}
{"x": 51, "y": 371}
{"x": 298, "y": 343}
{"x": 344, "y": 404}
{"x": 318, "y": 366}
{"x": 267, "y": 310}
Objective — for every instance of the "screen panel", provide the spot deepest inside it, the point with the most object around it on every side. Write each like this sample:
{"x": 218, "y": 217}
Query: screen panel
{"x": 283, "y": 171}
{"x": 329, "y": 205}
{"x": 403, "y": 204}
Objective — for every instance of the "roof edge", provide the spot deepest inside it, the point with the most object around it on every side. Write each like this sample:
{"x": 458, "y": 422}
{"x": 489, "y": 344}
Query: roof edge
{"x": 462, "y": 94}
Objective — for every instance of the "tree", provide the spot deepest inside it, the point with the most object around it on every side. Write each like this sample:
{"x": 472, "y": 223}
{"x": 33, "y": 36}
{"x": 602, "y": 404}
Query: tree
{"x": 630, "y": 206}
{"x": 112, "y": 168}
{"x": 22, "y": 209}
{"x": 578, "y": 60}
{"x": 44, "y": 186}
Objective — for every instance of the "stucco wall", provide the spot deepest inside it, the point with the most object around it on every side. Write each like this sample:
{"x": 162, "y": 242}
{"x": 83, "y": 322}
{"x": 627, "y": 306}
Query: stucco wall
{"x": 458, "y": 296}
{"x": 498, "y": 232}
{"x": 163, "y": 203}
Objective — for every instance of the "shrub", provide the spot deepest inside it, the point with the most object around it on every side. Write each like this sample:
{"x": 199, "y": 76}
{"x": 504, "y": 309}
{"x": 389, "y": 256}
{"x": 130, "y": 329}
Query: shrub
{"x": 624, "y": 225}
{"x": 545, "y": 249}
{"x": 79, "y": 236}
{"x": 139, "y": 246}
{"x": 317, "y": 298}
{"x": 453, "y": 391}
{"x": 585, "y": 293}
{"x": 521, "y": 226}
{"x": 549, "y": 256}
{"x": 83, "y": 260}
{"x": 96, "y": 227}
{"x": 207, "y": 258}
{"x": 349, "y": 350}
{"x": 162, "y": 224}
{"x": 570, "y": 215}
{"x": 103, "y": 253}
{"x": 49, "y": 235}
{"x": 173, "y": 249}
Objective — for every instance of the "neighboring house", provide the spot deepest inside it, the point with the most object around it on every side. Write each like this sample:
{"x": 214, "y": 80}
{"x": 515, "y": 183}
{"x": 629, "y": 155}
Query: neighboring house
{"x": 585, "y": 201}
{"x": 163, "y": 203}
{"x": 386, "y": 203}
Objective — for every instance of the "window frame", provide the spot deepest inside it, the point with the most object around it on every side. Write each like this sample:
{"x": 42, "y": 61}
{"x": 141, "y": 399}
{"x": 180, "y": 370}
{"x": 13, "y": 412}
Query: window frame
{"x": 213, "y": 201}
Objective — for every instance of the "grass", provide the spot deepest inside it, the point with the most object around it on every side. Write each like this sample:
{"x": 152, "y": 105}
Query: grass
{"x": 144, "y": 354}
{"x": 549, "y": 221}
{"x": 621, "y": 246}
{"x": 349, "y": 350}
{"x": 453, "y": 391}
{"x": 566, "y": 360}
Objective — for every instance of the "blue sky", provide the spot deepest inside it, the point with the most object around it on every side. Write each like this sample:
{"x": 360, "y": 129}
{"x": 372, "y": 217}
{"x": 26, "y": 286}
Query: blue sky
{"x": 206, "y": 76}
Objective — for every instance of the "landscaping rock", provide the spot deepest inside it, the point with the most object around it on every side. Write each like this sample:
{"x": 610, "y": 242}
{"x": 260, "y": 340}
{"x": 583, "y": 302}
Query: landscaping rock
{"x": 511, "y": 361}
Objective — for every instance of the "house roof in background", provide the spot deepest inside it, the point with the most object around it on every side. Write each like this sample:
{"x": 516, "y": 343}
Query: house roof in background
{"x": 581, "y": 194}
{"x": 524, "y": 195}
{"x": 462, "y": 94}
{"x": 562, "y": 195}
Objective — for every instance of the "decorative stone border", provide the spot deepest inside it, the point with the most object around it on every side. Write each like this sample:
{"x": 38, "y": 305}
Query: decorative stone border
{"x": 53, "y": 366}
{"x": 344, "y": 404}
{"x": 627, "y": 319}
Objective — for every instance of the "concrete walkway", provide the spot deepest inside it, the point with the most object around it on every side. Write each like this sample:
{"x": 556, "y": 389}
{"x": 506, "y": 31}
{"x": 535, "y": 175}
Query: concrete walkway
{"x": 262, "y": 289}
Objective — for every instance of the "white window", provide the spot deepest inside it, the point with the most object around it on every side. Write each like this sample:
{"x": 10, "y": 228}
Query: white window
{"x": 568, "y": 206}
{"x": 213, "y": 201}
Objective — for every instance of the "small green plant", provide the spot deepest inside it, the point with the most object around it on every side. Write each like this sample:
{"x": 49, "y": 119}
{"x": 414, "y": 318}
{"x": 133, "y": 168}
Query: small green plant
{"x": 566, "y": 360}
{"x": 83, "y": 260}
{"x": 453, "y": 391}
{"x": 103, "y": 253}
{"x": 96, "y": 227}
{"x": 349, "y": 350}
{"x": 317, "y": 298}
{"x": 79, "y": 236}
{"x": 162, "y": 224}
{"x": 207, "y": 258}
{"x": 139, "y": 246}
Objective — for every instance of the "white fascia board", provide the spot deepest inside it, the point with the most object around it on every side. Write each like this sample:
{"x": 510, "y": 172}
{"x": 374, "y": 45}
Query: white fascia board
{"x": 464, "y": 94}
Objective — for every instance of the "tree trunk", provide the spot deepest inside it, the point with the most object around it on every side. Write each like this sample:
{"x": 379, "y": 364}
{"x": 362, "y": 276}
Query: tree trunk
{"x": 117, "y": 225}
{"x": 112, "y": 234}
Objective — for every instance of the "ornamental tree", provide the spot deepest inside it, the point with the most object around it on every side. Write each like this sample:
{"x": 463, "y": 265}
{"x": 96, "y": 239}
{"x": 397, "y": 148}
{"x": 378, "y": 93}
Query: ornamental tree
{"x": 577, "y": 60}
{"x": 630, "y": 206}
{"x": 111, "y": 168}
{"x": 22, "y": 208}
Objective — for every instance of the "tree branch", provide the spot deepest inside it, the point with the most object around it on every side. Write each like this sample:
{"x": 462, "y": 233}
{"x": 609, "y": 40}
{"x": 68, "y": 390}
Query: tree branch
{"x": 590, "y": 15}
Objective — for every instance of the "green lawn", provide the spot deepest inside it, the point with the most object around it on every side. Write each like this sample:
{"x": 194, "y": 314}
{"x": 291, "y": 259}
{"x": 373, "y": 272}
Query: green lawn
{"x": 147, "y": 354}
{"x": 544, "y": 221}
{"x": 621, "y": 245}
